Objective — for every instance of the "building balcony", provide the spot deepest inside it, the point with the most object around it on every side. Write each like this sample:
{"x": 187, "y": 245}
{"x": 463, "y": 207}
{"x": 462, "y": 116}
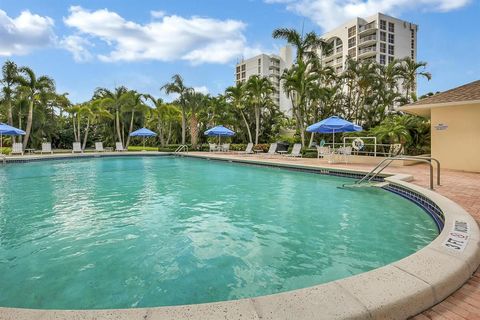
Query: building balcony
{"x": 367, "y": 40}
{"x": 368, "y": 28}
{"x": 367, "y": 52}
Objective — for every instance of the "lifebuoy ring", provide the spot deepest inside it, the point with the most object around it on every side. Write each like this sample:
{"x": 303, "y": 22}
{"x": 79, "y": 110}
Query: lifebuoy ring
{"x": 358, "y": 144}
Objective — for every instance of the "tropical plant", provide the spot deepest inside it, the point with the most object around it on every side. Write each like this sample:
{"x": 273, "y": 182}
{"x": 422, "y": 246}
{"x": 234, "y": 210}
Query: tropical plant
{"x": 177, "y": 86}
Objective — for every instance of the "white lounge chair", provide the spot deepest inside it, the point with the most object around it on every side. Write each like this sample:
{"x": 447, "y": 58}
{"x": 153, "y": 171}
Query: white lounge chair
{"x": 17, "y": 148}
{"x": 296, "y": 151}
{"x": 272, "y": 150}
{"x": 345, "y": 152}
{"x": 248, "y": 149}
{"x": 323, "y": 152}
{"x": 46, "y": 148}
{"x": 99, "y": 147}
{"x": 119, "y": 147}
{"x": 212, "y": 147}
{"x": 225, "y": 147}
{"x": 77, "y": 147}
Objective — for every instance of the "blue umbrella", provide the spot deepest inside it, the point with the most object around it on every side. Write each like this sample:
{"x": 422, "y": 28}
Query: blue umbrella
{"x": 144, "y": 132}
{"x": 219, "y": 131}
{"x": 6, "y": 130}
{"x": 332, "y": 125}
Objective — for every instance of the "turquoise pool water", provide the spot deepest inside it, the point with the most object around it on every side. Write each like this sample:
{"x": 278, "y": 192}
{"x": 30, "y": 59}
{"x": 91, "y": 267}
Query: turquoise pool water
{"x": 154, "y": 231}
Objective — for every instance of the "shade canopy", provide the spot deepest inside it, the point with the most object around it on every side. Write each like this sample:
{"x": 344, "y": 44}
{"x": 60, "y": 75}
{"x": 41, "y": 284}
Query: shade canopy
{"x": 144, "y": 132}
{"x": 219, "y": 131}
{"x": 334, "y": 124}
{"x": 7, "y": 130}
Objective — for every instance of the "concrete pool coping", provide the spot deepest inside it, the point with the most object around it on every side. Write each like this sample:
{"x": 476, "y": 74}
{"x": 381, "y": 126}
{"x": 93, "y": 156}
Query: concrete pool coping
{"x": 395, "y": 291}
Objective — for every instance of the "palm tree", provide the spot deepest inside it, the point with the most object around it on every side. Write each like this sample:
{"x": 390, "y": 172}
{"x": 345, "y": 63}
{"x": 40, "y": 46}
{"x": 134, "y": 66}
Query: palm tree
{"x": 410, "y": 70}
{"x": 259, "y": 90}
{"x": 237, "y": 96}
{"x": 196, "y": 101}
{"x": 177, "y": 86}
{"x": 9, "y": 77}
{"x": 132, "y": 102}
{"x": 94, "y": 111}
{"x": 305, "y": 46}
{"x": 112, "y": 100}
{"x": 33, "y": 86}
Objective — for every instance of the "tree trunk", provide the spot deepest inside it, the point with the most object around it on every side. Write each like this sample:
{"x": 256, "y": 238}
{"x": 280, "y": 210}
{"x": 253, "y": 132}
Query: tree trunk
{"x": 29, "y": 123}
{"x": 161, "y": 133}
{"x": 257, "y": 123}
{"x": 78, "y": 129}
{"x": 194, "y": 130}
{"x": 117, "y": 123}
{"x": 169, "y": 134}
{"x": 247, "y": 126}
{"x": 130, "y": 130}
{"x": 184, "y": 125}
{"x": 86, "y": 134}
{"x": 75, "y": 136}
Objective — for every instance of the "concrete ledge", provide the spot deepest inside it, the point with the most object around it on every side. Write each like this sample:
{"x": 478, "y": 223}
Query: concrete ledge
{"x": 396, "y": 291}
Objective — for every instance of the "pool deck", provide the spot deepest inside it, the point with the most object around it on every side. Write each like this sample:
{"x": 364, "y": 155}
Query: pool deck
{"x": 353, "y": 297}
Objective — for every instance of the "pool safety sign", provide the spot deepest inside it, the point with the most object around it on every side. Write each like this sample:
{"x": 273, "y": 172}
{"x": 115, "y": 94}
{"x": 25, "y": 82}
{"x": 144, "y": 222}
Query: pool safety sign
{"x": 458, "y": 237}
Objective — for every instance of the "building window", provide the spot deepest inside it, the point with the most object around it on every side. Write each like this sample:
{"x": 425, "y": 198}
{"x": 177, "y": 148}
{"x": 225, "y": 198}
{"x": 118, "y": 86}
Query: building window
{"x": 352, "y": 42}
{"x": 390, "y": 59}
{"x": 391, "y": 50}
{"x": 243, "y": 67}
{"x": 383, "y": 24}
{"x": 391, "y": 27}
{"x": 383, "y": 59}
{"x": 259, "y": 61}
{"x": 383, "y": 48}
{"x": 383, "y": 36}
{"x": 238, "y": 69}
{"x": 412, "y": 44}
{"x": 391, "y": 38}
{"x": 413, "y": 55}
{"x": 243, "y": 75}
{"x": 238, "y": 76}
{"x": 259, "y": 70}
{"x": 352, "y": 53}
{"x": 352, "y": 31}
{"x": 413, "y": 33}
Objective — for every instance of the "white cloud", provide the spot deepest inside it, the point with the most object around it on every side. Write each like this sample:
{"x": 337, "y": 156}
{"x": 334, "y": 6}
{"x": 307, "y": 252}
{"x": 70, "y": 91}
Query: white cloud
{"x": 158, "y": 13}
{"x": 78, "y": 47}
{"x": 329, "y": 14}
{"x": 201, "y": 89}
{"x": 24, "y": 33}
{"x": 167, "y": 38}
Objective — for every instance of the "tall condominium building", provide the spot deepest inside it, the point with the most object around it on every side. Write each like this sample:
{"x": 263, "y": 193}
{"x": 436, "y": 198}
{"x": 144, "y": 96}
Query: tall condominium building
{"x": 271, "y": 66}
{"x": 380, "y": 37}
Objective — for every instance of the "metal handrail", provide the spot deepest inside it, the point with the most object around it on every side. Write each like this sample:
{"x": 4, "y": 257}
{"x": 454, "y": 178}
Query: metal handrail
{"x": 373, "y": 173}
{"x": 181, "y": 148}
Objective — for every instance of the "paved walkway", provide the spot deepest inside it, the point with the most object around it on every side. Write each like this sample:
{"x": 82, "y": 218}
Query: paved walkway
{"x": 461, "y": 187}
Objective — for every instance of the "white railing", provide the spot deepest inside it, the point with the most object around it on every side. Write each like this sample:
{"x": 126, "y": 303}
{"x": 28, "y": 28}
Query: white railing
{"x": 369, "y": 26}
{"x": 3, "y": 158}
{"x": 367, "y": 38}
{"x": 367, "y": 49}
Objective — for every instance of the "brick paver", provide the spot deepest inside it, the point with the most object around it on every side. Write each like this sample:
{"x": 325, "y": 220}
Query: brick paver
{"x": 461, "y": 187}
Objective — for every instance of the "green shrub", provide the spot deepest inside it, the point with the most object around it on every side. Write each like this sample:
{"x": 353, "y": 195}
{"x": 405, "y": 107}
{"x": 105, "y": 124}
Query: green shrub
{"x": 140, "y": 148}
{"x": 5, "y": 150}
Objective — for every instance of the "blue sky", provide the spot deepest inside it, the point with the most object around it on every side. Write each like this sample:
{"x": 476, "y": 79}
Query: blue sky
{"x": 141, "y": 44}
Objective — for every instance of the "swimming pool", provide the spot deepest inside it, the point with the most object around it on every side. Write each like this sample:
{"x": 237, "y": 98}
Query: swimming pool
{"x": 154, "y": 231}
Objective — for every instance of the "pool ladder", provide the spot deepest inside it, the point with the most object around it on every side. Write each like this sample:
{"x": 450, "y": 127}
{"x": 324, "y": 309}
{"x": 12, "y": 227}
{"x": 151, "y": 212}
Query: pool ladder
{"x": 181, "y": 148}
{"x": 367, "y": 179}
